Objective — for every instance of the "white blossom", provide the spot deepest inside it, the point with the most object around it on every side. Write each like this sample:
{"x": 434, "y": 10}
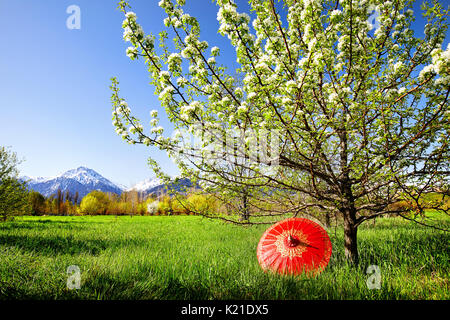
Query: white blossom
{"x": 132, "y": 52}
{"x": 333, "y": 97}
{"x": 130, "y": 15}
{"x": 243, "y": 107}
{"x": 181, "y": 81}
{"x": 167, "y": 93}
{"x": 215, "y": 51}
{"x": 425, "y": 71}
{"x": 164, "y": 74}
{"x": 154, "y": 122}
{"x": 146, "y": 141}
{"x": 157, "y": 130}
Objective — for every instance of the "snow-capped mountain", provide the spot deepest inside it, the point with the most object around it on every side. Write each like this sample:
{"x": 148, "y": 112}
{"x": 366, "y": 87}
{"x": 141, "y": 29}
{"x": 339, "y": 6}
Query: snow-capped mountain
{"x": 82, "y": 180}
{"x": 146, "y": 185}
{"x": 88, "y": 177}
{"x": 154, "y": 186}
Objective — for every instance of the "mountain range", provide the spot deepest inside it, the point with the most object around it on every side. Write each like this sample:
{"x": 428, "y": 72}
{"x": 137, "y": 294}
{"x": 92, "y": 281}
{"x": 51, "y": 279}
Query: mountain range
{"x": 84, "y": 180}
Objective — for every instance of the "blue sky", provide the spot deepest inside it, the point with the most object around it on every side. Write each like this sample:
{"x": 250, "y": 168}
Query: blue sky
{"x": 55, "y": 98}
{"x": 55, "y": 109}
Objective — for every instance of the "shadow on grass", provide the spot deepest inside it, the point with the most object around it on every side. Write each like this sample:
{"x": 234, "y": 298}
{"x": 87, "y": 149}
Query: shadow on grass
{"x": 46, "y": 224}
{"x": 53, "y": 245}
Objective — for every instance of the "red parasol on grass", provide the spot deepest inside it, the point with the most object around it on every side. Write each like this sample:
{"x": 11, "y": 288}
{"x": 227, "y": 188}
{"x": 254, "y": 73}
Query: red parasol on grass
{"x": 294, "y": 246}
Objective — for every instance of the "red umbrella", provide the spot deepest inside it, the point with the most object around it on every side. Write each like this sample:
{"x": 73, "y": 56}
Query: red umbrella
{"x": 294, "y": 246}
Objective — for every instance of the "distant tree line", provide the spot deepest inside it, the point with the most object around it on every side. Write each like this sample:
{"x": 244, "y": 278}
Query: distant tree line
{"x": 127, "y": 203}
{"x": 61, "y": 203}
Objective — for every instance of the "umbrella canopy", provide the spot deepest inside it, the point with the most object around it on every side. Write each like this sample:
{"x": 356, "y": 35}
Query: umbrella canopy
{"x": 294, "y": 246}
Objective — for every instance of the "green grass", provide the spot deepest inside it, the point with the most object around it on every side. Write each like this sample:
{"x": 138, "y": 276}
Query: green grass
{"x": 188, "y": 257}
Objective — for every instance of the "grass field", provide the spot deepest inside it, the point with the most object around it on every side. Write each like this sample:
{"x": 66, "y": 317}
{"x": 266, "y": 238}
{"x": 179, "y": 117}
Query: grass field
{"x": 188, "y": 257}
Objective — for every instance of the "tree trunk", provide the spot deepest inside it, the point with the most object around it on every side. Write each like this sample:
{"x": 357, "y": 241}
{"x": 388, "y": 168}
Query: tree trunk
{"x": 350, "y": 237}
{"x": 327, "y": 219}
{"x": 348, "y": 204}
{"x": 245, "y": 211}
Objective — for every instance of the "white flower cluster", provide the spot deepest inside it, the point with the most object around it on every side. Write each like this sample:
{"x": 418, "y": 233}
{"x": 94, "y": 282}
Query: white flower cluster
{"x": 182, "y": 82}
{"x": 157, "y": 130}
{"x": 166, "y": 94}
{"x": 402, "y": 91}
{"x": 132, "y": 30}
{"x": 124, "y": 109}
{"x": 174, "y": 62}
{"x": 164, "y": 76}
{"x": 211, "y": 61}
{"x": 154, "y": 122}
{"x": 132, "y": 52}
{"x": 234, "y": 25}
{"x": 335, "y": 15}
{"x": 243, "y": 108}
{"x": 166, "y": 4}
{"x": 154, "y": 113}
{"x": 136, "y": 128}
{"x": 397, "y": 68}
{"x": 440, "y": 65}
{"x": 215, "y": 51}
{"x": 291, "y": 86}
{"x": 130, "y": 15}
{"x": 441, "y": 60}
{"x": 188, "y": 110}
{"x": 252, "y": 95}
{"x": 333, "y": 98}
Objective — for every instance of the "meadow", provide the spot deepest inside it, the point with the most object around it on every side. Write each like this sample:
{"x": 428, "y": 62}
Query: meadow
{"x": 189, "y": 257}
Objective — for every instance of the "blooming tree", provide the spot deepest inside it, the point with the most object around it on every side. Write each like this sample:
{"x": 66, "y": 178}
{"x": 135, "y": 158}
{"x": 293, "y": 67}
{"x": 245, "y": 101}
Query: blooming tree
{"x": 332, "y": 113}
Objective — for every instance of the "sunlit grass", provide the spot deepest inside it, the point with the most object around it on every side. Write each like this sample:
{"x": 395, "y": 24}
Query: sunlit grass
{"x": 188, "y": 257}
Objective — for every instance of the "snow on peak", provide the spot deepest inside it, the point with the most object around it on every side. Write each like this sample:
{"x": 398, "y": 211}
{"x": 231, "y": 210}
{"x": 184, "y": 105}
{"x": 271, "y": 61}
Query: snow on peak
{"x": 85, "y": 176}
{"x": 36, "y": 179}
{"x": 146, "y": 184}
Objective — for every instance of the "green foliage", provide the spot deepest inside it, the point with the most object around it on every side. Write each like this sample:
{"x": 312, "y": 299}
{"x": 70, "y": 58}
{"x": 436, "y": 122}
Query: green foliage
{"x": 165, "y": 206}
{"x": 192, "y": 204}
{"x": 180, "y": 205}
{"x": 95, "y": 202}
{"x": 203, "y": 204}
{"x": 13, "y": 193}
{"x": 37, "y": 202}
{"x": 13, "y": 198}
{"x": 90, "y": 205}
{"x": 101, "y": 197}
